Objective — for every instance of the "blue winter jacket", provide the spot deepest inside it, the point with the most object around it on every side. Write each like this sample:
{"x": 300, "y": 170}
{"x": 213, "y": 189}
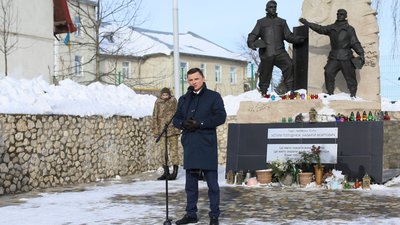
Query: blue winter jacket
{"x": 200, "y": 146}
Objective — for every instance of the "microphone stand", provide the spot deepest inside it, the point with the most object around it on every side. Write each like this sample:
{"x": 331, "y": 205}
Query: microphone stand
{"x": 165, "y": 132}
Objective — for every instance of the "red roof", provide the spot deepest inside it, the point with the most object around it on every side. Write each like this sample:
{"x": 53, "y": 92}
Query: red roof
{"x": 62, "y": 19}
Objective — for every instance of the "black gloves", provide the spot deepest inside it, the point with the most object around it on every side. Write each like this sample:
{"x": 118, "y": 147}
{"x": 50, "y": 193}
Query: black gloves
{"x": 191, "y": 125}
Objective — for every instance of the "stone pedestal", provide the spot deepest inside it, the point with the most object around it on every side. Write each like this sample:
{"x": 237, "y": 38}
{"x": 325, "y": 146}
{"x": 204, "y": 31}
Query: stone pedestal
{"x": 362, "y": 147}
{"x": 272, "y": 112}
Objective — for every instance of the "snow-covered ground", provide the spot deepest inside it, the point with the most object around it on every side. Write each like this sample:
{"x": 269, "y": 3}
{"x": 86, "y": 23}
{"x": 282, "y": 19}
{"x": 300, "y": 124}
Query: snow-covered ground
{"x": 94, "y": 205}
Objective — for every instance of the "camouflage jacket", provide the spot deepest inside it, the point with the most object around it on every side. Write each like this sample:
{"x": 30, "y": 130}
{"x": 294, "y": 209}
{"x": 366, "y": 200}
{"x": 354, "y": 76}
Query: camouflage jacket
{"x": 163, "y": 111}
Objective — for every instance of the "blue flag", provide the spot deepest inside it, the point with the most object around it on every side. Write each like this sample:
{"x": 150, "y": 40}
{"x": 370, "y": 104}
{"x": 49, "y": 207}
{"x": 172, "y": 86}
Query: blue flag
{"x": 67, "y": 40}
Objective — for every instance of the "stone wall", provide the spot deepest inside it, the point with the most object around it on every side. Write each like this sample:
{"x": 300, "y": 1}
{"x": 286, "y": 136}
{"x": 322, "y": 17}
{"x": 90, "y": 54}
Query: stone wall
{"x": 39, "y": 151}
{"x": 391, "y": 143}
{"x": 222, "y": 134}
{"x": 394, "y": 115}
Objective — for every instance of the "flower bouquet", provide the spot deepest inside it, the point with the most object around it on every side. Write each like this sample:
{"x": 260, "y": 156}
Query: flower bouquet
{"x": 309, "y": 157}
{"x": 284, "y": 171}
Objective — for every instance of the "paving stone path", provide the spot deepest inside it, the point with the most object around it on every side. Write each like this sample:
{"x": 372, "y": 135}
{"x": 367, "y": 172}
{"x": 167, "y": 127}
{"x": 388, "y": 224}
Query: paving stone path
{"x": 276, "y": 205}
{"x": 241, "y": 205}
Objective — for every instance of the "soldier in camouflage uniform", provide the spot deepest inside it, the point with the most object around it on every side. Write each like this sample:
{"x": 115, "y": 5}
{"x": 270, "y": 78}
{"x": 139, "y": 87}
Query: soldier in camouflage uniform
{"x": 164, "y": 110}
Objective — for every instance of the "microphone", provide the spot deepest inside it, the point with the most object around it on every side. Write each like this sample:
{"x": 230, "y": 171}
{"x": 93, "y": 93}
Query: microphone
{"x": 190, "y": 89}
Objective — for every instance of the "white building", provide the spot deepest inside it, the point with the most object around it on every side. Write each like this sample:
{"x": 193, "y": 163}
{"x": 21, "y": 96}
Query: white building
{"x": 31, "y": 29}
{"x": 145, "y": 61}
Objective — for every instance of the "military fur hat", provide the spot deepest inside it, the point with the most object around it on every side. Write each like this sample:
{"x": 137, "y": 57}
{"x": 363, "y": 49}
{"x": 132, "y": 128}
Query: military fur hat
{"x": 165, "y": 90}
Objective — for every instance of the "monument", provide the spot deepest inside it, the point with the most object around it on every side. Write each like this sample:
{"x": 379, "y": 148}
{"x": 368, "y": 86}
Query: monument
{"x": 359, "y": 146}
{"x": 363, "y": 18}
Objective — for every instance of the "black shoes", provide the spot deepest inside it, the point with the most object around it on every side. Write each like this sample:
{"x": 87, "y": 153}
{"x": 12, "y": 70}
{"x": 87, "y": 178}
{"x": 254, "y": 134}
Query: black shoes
{"x": 214, "y": 221}
{"x": 174, "y": 173}
{"x": 165, "y": 175}
{"x": 187, "y": 219}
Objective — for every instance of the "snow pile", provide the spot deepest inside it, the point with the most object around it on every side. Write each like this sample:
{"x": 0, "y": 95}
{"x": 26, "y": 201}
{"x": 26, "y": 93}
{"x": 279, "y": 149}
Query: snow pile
{"x": 36, "y": 96}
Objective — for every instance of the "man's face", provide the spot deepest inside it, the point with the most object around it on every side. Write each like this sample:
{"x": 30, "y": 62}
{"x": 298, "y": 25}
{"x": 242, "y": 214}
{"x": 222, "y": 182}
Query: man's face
{"x": 271, "y": 9}
{"x": 341, "y": 16}
{"x": 196, "y": 80}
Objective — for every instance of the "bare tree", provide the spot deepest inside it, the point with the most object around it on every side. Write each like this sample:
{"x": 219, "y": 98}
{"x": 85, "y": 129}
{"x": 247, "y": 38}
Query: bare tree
{"x": 8, "y": 30}
{"x": 120, "y": 14}
{"x": 249, "y": 54}
{"x": 252, "y": 57}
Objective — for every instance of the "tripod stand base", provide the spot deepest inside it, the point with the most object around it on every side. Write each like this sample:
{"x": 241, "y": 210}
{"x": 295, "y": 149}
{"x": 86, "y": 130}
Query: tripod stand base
{"x": 167, "y": 222}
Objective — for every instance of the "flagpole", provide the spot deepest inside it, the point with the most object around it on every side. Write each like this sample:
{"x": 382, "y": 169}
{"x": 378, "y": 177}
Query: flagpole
{"x": 176, "y": 49}
{"x": 55, "y": 67}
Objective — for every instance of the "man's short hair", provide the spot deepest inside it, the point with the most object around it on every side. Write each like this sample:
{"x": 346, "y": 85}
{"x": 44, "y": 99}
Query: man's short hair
{"x": 195, "y": 70}
{"x": 342, "y": 11}
{"x": 271, "y": 2}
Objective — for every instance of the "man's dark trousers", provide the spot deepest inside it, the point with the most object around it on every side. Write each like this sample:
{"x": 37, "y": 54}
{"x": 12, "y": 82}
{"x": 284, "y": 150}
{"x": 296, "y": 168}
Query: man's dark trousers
{"x": 192, "y": 192}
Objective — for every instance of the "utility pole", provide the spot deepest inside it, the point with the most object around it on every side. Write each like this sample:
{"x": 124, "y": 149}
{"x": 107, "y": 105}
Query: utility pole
{"x": 176, "y": 48}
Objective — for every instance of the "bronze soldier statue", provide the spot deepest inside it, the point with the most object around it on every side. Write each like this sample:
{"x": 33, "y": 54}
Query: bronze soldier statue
{"x": 343, "y": 39}
{"x": 268, "y": 36}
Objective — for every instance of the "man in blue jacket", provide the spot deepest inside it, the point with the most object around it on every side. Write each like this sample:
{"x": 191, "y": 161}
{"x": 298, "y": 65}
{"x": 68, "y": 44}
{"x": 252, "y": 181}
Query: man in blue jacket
{"x": 199, "y": 113}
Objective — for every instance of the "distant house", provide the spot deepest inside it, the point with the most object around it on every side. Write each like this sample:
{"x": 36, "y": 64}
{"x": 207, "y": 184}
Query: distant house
{"x": 28, "y": 28}
{"x": 33, "y": 29}
{"x": 75, "y": 59}
{"x": 57, "y": 40}
{"x": 140, "y": 58}
{"x": 145, "y": 63}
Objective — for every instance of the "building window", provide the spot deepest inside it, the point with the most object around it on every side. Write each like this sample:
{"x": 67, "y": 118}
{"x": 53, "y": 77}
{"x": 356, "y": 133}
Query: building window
{"x": 78, "y": 65}
{"x": 232, "y": 75}
{"x": 217, "y": 73}
{"x": 203, "y": 69}
{"x": 125, "y": 70}
{"x": 184, "y": 69}
{"x": 77, "y": 23}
